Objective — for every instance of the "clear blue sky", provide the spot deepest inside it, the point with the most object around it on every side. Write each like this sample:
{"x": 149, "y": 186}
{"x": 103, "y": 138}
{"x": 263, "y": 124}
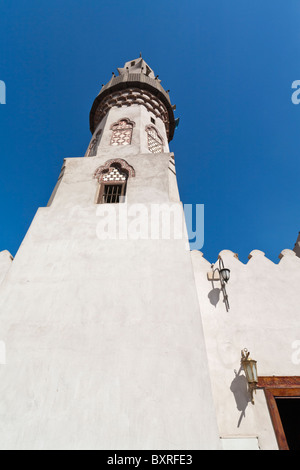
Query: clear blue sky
{"x": 229, "y": 66}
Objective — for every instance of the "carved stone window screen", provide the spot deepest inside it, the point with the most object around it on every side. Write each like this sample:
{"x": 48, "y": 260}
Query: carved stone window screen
{"x": 155, "y": 141}
{"x": 122, "y": 132}
{"x": 114, "y": 174}
{"x": 118, "y": 163}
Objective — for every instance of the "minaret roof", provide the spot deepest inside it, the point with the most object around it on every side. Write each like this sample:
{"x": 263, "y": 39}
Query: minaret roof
{"x": 137, "y": 66}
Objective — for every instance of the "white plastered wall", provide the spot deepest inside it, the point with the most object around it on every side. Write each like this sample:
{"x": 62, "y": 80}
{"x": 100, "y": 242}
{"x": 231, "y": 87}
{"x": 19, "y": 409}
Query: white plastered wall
{"x": 264, "y": 301}
{"x": 104, "y": 339}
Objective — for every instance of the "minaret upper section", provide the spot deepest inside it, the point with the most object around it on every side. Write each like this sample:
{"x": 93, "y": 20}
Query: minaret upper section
{"x": 137, "y": 66}
{"x": 132, "y": 108}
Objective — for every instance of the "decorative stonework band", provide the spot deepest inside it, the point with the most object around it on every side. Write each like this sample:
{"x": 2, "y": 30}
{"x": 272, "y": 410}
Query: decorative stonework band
{"x": 131, "y": 96}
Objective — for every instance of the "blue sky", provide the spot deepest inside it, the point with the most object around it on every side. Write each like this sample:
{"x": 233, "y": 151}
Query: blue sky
{"x": 229, "y": 66}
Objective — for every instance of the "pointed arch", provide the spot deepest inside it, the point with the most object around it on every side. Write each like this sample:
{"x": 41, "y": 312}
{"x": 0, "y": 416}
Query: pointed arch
{"x": 112, "y": 178}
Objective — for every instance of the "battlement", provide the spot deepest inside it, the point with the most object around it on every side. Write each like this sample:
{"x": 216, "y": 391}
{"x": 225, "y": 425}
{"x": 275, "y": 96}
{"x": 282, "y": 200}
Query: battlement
{"x": 263, "y": 299}
{"x": 255, "y": 257}
{"x": 258, "y": 277}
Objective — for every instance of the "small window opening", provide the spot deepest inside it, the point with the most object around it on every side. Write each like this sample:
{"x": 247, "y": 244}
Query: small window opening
{"x": 112, "y": 193}
{"x": 113, "y": 186}
{"x": 152, "y": 120}
{"x": 112, "y": 178}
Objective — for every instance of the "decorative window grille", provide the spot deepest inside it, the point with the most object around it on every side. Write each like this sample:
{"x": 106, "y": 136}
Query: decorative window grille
{"x": 114, "y": 174}
{"x": 112, "y": 193}
{"x": 155, "y": 142}
{"x": 122, "y": 132}
{"x": 113, "y": 186}
{"x": 112, "y": 178}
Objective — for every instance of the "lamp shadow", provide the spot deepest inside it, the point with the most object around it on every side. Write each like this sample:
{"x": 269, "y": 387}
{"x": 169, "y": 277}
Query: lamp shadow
{"x": 239, "y": 388}
{"x": 214, "y": 296}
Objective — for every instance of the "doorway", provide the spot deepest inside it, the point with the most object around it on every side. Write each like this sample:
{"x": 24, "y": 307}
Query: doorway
{"x": 283, "y": 399}
{"x": 289, "y": 411}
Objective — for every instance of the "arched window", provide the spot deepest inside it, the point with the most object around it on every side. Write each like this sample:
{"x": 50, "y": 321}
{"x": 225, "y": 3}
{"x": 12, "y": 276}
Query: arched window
{"x": 112, "y": 178}
{"x": 92, "y": 150}
{"x": 122, "y": 132}
{"x": 155, "y": 142}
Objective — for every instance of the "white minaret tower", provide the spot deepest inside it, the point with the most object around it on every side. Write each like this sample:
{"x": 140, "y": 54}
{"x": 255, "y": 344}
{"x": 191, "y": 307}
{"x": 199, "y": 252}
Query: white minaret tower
{"x": 99, "y": 311}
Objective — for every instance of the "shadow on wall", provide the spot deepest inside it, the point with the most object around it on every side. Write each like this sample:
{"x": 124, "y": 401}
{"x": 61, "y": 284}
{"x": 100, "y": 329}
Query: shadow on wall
{"x": 239, "y": 388}
{"x": 214, "y": 296}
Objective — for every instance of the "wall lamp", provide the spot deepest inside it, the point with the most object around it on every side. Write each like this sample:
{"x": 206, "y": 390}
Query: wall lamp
{"x": 221, "y": 274}
{"x": 250, "y": 367}
{"x": 224, "y": 272}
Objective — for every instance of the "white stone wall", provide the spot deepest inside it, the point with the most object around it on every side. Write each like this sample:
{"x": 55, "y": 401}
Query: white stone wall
{"x": 264, "y": 301}
{"x": 154, "y": 181}
{"x": 5, "y": 263}
{"x": 104, "y": 341}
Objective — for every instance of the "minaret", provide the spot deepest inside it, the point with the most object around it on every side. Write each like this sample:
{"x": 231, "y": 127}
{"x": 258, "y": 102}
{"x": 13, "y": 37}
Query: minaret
{"x": 99, "y": 311}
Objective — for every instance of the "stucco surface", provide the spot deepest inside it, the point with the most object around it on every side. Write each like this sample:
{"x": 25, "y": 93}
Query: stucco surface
{"x": 264, "y": 301}
{"x": 104, "y": 341}
{"x": 5, "y": 263}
